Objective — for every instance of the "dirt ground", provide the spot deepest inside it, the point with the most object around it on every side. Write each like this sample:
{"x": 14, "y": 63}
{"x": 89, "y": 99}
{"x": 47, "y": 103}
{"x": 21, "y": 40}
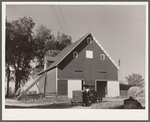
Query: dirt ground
{"x": 64, "y": 103}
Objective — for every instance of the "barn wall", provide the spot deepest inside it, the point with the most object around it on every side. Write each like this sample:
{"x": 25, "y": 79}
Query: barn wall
{"x": 85, "y": 68}
{"x": 41, "y": 84}
{"x": 51, "y": 81}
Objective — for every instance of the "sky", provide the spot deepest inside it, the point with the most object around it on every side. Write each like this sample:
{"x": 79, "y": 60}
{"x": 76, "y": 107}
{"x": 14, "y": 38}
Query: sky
{"x": 120, "y": 29}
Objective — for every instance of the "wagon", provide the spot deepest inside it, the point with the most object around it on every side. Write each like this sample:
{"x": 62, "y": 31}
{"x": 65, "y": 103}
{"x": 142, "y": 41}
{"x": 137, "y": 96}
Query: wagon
{"x": 80, "y": 96}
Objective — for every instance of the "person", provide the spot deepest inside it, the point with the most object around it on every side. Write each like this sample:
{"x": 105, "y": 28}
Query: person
{"x": 87, "y": 89}
{"x": 87, "y": 99}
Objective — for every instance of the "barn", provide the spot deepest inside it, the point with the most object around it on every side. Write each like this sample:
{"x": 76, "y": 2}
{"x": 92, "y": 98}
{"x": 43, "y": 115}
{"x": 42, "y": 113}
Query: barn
{"x": 85, "y": 62}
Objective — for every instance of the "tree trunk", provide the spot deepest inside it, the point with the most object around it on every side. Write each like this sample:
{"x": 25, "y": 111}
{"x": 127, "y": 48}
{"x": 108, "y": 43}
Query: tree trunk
{"x": 17, "y": 80}
{"x": 19, "y": 84}
{"x": 8, "y": 78}
{"x": 17, "y": 75}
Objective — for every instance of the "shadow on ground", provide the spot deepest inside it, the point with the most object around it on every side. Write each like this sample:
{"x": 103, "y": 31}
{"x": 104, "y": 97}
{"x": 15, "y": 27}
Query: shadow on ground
{"x": 53, "y": 106}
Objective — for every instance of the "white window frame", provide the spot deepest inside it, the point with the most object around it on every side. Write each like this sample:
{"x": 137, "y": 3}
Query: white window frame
{"x": 75, "y": 54}
{"x": 89, "y": 54}
{"x": 89, "y": 40}
{"x": 102, "y": 56}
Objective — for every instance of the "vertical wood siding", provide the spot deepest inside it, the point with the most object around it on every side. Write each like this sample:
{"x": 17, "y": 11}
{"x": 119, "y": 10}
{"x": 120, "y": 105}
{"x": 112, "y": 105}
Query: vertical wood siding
{"x": 62, "y": 87}
{"x": 51, "y": 81}
{"x": 41, "y": 84}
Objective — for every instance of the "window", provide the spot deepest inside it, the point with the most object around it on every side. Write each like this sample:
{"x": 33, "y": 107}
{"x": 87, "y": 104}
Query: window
{"x": 89, "y": 54}
{"x": 102, "y": 71}
{"x": 102, "y": 56}
{"x": 89, "y": 40}
{"x": 75, "y": 54}
{"x": 78, "y": 70}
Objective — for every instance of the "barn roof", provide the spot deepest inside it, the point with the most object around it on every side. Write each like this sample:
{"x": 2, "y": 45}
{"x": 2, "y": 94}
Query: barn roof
{"x": 64, "y": 53}
{"x": 69, "y": 48}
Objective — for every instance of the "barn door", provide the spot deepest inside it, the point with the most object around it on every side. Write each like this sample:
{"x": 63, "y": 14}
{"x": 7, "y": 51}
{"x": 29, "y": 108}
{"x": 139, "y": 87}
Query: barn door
{"x": 74, "y": 85}
{"x": 101, "y": 88}
{"x": 62, "y": 87}
{"x": 113, "y": 88}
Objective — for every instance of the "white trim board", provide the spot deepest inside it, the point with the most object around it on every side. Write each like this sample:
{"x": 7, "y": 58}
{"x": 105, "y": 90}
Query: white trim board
{"x": 56, "y": 80}
{"x": 70, "y": 79}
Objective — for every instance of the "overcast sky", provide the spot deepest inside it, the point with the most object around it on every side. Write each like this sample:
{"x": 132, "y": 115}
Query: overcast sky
{"x": 121, "y": 29}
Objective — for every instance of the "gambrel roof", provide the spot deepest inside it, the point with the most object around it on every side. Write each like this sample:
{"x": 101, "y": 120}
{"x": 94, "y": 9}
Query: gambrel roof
{"x": 68, "y": 49}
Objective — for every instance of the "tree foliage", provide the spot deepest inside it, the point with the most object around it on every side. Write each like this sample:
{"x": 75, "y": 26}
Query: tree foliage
{"x": 135, "y": 79}
{"x": 42, "y": 34}
{"x": 20, "y": 48}
{"x": 47, "y": 44}
{"x": 8, "y": 54}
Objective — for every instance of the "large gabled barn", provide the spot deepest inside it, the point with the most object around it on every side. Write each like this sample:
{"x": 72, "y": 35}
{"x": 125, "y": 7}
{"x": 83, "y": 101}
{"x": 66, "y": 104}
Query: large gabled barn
{"x": 83, "y": 62}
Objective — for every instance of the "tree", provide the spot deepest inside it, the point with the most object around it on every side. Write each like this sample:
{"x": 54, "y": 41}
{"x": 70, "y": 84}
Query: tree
{"x": 135, "y": 79}
{"x": 42, "y": 35}
{"x": 20, "y": 48}
{"x": 63, "y": 41}
{"x": 23, "y": 47}
{"x": 48, "y": 44}
{"x": 8, "y": 58}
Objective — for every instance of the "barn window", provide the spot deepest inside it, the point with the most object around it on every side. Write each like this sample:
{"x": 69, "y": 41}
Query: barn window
{"x": 75, "y": 54}
{"x": 89, "y": 54}
{"x": 102, "y": 56}
{"x": 102, "y": 71}
{"x": 89, "y": 40}
{"x": 78, "y": 70}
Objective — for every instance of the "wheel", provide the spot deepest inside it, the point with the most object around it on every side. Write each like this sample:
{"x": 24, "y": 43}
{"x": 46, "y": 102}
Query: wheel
{"x": 87, "y": 103}
{"x": 83, "y": 104}
{"x": 100, "y": 99}
{"x": 71, "y": 103}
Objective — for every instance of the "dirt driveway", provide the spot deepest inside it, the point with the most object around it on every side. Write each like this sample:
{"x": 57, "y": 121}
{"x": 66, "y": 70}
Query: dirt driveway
{"x": 64, "y": 103}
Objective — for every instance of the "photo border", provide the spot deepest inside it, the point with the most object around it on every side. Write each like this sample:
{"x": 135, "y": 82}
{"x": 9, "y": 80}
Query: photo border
{"x": 6, "y": 112}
